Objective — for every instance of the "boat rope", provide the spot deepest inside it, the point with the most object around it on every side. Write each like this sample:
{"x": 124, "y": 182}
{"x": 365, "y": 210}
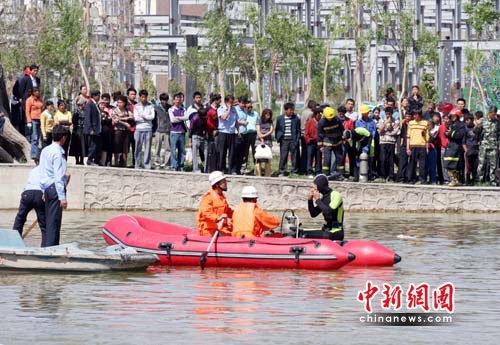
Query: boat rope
{"x": 251, "y": 242}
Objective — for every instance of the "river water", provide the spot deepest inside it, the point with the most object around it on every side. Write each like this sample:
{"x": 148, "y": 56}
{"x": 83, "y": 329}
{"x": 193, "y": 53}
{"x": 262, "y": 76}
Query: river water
{"x": 188, "y": 306}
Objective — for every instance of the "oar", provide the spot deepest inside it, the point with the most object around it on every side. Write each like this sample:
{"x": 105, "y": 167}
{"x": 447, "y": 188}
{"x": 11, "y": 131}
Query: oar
{"x": 30, "y": 228}
{"x": 203, "y": 257}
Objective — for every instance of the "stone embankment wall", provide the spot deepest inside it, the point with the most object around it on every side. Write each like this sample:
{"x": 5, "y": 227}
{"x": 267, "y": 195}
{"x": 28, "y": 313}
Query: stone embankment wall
{"x": 115, "y": 188}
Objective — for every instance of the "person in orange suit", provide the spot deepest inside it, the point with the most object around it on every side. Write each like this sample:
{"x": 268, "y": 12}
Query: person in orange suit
{"x": 249, "y": 220}
{"x": 214, "y": 207}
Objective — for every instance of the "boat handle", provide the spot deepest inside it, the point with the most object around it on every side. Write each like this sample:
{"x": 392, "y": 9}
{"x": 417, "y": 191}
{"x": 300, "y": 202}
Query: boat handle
{"x": 297, "y": 251}
{"x": 167, "y": 246}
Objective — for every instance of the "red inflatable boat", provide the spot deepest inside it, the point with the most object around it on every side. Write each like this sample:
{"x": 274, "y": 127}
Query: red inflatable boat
{"x": 180, "y": 246}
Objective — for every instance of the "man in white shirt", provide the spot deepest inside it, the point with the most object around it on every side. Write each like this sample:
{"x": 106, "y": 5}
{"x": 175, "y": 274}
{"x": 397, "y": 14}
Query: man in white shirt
{"x": 144, "y": 114}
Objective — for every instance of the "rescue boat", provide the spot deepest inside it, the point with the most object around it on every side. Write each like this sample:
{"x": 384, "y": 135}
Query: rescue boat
{"x": 181, "y": 246}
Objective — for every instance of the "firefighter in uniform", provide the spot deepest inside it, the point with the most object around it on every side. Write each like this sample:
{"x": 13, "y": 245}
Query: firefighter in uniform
{"x": 330, "y": 131}
{"x": 455, "y": 134}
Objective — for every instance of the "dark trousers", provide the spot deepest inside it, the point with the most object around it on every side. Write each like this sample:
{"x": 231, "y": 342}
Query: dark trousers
{"x": 53, "y": 211}
{"x": 313, "y": 153}
{"x": 339, "y": 155}
{"x": 302, "y": 156}
{"x": 241, "y": 152}
{"x": 94, "y": 148}
{"x": 288, "y": 147}
{"x": 211, "y": 163}
{"x": 403, "y": 165}
{"x": 251, "y": 137}
{"x": 418, "y": 155}
{"x": 46, "y": 142}
{"x": 334, "y": 236}
{"x": 353, "y": 163}
{"x": 387, "y": 160}
{"x": 30, "y": 199}
{"x": 225, "y": 147}
{"x": 472, "y": 165}
{"x": 439, "y": 165}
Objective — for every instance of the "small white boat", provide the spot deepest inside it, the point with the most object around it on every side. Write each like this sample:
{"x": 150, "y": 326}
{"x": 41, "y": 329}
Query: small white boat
{"x": 14, "y": 255}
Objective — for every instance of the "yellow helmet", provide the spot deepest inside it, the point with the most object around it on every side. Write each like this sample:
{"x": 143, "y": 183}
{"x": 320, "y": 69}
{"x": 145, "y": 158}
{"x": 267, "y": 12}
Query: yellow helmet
{"x": 364, "y": 109}
{"x": 329, "y": 113}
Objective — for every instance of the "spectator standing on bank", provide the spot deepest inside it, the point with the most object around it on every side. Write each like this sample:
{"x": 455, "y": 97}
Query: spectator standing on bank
{"x": 252, "y": 118}
{"x": 92, "y": 128}
{"x": 34, "y": 108}
{"x": 417, "y": 147}
{"x": 212, "y": 126}
{"x": 197, "y": 105}
{"x": 227, "y": 118}
{"x": 28, "y": 83}
{"x": 163, "y": 132}
{"x": 264, "y": 137}
{"x": 306, "y": 114}
{"x": 198, "y": 137}
{"x": 106, "y": 135}
{"x": 178, "y": 116}
{"x": 47, "y": 123}
{"x": 288, "y": 136}
{"x": 416, "y": 101}
{"x": 431, "y": 162}
{"x": 64, "y": 118}
{"x": 122, "y": 120}
{"x": 78, "y": 146}
{"x": 83, "y": 97}
{"x": 429, "y": 113}
{"x": 144, "y": 115}
{"x": 403, "y": 155}
{"x": 455, "y": 149}
{"x": 389, "y": 131}
{"x": 131, "y": 96}
{"x": 241, "y": 146}
{"x": 313, "y": 151}
{"x": 350, "y": 113}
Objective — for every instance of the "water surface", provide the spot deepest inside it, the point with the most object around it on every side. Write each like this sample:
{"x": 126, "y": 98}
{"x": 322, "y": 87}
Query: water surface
{"x": 189, "y": 306}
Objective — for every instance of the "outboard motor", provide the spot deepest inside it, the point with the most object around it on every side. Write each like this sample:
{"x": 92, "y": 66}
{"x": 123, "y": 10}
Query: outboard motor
{"x": 290, "y": 224}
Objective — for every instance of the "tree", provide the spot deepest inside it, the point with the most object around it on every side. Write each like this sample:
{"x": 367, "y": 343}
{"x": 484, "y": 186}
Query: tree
{"x": 482, "y": 15}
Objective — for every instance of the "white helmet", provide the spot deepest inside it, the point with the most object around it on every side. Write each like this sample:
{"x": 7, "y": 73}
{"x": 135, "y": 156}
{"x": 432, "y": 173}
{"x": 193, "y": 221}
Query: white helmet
{"x": 215, "y": 177}
{"x": 249, "y": 192}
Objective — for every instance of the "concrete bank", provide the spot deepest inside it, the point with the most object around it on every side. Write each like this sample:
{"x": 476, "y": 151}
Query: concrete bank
{"x": 129, "y": 189}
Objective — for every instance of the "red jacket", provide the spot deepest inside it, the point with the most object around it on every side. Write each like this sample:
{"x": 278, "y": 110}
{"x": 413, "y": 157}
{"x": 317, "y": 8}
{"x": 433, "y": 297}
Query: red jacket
{"x": 311, "y": 130}
{"x": 442, "y": 139}
{"x": 212, "y": 121}
{"x": 348, "y": 124}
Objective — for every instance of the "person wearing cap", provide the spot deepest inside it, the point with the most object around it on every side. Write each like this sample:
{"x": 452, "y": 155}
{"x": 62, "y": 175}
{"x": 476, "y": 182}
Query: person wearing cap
{"x": 455, "y": 134}
{"x": 249, "y": 221}
{"x": 31, "y": 198}
{"x": 330, "y": 132}
{"x": 330, "y": 204}
{"x": 489, "y": 130}
{"x": 366, "y": 122}
{"x": 214, "y": 207}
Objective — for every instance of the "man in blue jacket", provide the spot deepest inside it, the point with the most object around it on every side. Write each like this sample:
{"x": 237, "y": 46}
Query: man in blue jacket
{"x": 288, "y": 136}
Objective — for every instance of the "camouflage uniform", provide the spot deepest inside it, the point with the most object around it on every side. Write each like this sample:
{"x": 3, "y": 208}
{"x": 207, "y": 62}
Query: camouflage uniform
{"x": 489, "y": 131}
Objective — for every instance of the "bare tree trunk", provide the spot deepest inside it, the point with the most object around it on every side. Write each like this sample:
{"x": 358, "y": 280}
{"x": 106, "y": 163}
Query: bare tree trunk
{"x": 470, "y": 87}
{"x": 273, "y": 71}
{"x": 359, "y": 65}
{"x": 84, "y": 72}
{"x": 307, "y": 95}
{"x": 403, "y": 88}
{"x": 14, "y": 142}
{"x": 325, "y": 72}
{"x": 257, "y": 77}
{"x": 220, "y": 78}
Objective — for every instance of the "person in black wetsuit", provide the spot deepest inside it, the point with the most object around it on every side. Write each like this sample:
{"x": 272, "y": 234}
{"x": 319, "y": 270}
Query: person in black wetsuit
{"x": 329, "y": 203}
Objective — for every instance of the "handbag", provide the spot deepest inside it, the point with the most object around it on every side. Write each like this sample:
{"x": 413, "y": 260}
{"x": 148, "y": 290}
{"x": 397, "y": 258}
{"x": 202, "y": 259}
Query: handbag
{"x": 263, "y": 152}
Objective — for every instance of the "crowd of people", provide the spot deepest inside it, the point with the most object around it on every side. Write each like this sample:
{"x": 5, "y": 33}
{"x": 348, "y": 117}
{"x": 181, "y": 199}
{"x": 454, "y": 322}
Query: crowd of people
{"x": 408, "y": 142}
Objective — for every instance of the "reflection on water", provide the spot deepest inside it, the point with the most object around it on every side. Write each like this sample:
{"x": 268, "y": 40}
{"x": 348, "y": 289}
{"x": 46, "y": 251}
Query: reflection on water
{"x": 189, "y": 306}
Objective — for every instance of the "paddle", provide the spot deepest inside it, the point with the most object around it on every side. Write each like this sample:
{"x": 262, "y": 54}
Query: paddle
{"x": 30, "y": 228}
{"x": 203, "y": 257}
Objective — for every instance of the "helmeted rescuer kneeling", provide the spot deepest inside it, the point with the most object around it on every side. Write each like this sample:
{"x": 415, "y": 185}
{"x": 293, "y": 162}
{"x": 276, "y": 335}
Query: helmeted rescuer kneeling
{"x": 330, "y": 204}
{"x": 249, "y": 220}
